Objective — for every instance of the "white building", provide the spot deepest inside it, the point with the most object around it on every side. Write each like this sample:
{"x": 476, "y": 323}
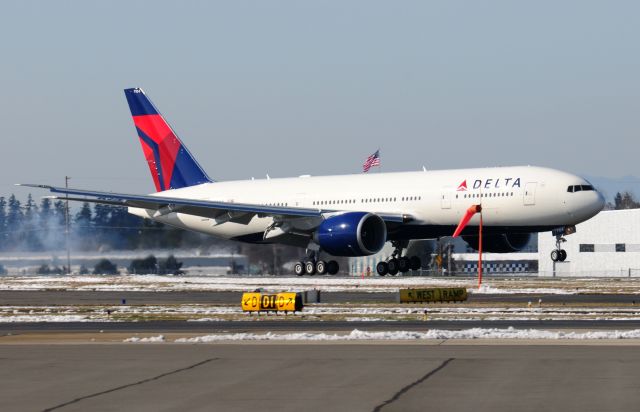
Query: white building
{"x": 606, "y": 245}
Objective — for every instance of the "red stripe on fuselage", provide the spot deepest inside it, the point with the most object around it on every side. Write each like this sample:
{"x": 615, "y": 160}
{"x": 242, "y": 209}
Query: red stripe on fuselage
{"x": 159, "y": 131}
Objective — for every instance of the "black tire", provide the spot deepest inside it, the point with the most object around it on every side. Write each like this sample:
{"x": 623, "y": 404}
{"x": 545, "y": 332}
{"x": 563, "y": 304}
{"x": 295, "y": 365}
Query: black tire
{"x": 321, "y": 267}
{"x": 415, "y": 263}
{"x": 333, "y": 267}
{"x": 298, "y": 268}
{"x": 392, "y": 267}
{"x": 310, "y": 267}
{"x": 382, "y": 268}
{"x": 563, "y": 255}
{"x": 403, "y": 264}
{"x": 555, "y": 255}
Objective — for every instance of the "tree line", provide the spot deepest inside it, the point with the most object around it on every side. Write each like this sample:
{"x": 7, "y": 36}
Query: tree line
{"x": 624, "y": 200}
{"x": 41, "y": 227}
{"x": 33, "y": 227}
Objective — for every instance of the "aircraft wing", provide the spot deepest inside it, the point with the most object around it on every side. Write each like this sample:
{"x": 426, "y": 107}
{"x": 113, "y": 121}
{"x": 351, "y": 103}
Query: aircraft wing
{"x": 221, "y": 211}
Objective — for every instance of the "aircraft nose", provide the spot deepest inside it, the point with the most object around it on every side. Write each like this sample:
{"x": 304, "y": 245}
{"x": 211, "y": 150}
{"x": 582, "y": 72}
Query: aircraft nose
{"x": 599, "y": 202}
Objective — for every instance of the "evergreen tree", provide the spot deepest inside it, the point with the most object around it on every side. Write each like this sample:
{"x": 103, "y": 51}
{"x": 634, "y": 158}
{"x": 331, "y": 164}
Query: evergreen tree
{"x": 83, "y": 228}
{"x": 60, "y": 211}
{"x": 625, "y": 201}
{"x": 3, "y": 223}
{"x": 14, "y": 223}
{"x": 101, "y": 221}
{"x": 46, "y": 212}
{"x": 125, "y": 228}
{"x": 171, "y": 266}
{"x": 83, "y": 217}
{"x": 31, "y": 226}
{"x": 105, "y": 267}
{"x": 30, "y": 208}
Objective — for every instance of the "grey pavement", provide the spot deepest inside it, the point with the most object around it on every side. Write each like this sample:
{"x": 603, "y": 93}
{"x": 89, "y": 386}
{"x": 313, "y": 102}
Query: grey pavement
{"x": 326, "y": 377}
{"x": 55, "y": 297}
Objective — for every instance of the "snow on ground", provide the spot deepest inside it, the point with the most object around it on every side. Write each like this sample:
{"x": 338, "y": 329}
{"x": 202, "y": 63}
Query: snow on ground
{"x": 48, "y": 318}
{"x": 352, "y": 313}
{"x": 527, "y": 285}
{"x": 134, "y": 339}
{"x": 474, "y": 333}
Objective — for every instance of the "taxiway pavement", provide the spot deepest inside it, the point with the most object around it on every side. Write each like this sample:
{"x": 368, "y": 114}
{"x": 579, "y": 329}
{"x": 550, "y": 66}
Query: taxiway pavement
{"x": 312, "y": 377}
{"x": 56, "y": 297}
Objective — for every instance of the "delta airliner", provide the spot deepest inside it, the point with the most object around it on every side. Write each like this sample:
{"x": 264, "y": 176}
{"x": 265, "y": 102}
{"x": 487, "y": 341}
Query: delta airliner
{"x": 349, "y": 215}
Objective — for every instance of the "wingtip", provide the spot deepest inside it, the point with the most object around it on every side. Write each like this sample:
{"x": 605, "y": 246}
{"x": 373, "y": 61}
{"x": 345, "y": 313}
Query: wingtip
{"x": 33, "y": 185}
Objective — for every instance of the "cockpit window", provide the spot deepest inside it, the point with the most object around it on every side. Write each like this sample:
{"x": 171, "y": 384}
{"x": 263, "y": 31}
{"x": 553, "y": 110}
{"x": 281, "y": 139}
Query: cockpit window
{"x": 579, "y": 188}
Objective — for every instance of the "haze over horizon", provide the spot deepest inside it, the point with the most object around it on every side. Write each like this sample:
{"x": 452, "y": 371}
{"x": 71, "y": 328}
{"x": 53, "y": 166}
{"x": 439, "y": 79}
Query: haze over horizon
{"x": 289, "y": 88}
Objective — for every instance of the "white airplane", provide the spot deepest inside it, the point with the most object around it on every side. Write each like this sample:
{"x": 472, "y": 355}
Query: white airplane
{"x": 349, "y": 215}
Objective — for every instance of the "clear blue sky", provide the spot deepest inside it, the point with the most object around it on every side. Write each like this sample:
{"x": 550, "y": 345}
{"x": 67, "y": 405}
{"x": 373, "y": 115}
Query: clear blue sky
{"x": 296, "y": 87}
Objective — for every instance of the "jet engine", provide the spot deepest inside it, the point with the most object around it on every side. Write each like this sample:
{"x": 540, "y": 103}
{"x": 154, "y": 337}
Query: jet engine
{"x": 352, "y": 234}
{"x": 500, "y": 243}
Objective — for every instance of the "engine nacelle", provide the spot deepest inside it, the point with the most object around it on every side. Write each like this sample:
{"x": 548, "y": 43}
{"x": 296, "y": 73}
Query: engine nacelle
{"x": 500, "y": 243}
{"x": 352, "y": 234}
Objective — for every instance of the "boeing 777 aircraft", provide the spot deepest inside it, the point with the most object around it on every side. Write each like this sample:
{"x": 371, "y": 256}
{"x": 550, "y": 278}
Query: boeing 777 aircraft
{"x": 349, "y": 215}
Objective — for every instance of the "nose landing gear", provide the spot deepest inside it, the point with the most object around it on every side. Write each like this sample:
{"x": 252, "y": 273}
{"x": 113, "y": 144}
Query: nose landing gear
{"x": 398, "y": 263}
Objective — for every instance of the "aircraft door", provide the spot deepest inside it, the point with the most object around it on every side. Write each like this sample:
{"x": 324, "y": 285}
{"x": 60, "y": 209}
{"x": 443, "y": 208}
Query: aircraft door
{"x": 445, "y": 199}
{"x": 299, "y": 200}
{"x": 530, "y": 194}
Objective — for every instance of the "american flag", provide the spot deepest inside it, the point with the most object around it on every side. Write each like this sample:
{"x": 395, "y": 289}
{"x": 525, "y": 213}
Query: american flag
{"x": 373, "y": 160}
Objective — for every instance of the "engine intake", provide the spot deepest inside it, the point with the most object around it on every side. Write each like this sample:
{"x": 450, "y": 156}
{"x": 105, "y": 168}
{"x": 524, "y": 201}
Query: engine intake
{"x": 352, "y": 234}
{"x": 500, "y": 243}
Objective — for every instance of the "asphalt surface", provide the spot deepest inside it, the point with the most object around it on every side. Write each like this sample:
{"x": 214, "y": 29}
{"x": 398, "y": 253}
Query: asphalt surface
{"x": 52, "y": 297}
{"x": 294, "y": 325}
{"x": 309, "y": 377}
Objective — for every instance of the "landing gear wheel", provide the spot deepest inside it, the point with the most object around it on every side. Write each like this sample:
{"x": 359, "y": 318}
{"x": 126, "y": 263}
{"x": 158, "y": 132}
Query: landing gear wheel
{"x": 403, "y": 264}
{"x": 415, "y": 263}
{"x": 333, "y": 267}
{"x": 555, "y": 255}
{"x": 563, "y": 255}
{"x": 392, "y": 267}
{"x": 321, "y": 267}
{"x": 310, "y": 267}
{"x": 298, "y": 268}
{"x": 382, "y": 268}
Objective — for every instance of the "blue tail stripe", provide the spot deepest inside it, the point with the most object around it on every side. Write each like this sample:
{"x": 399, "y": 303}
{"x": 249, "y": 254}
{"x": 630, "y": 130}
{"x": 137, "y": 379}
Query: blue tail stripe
{"x": 186, "y": 171}
{"x": 139, "y": 103}
{"x": 156, "y": 155}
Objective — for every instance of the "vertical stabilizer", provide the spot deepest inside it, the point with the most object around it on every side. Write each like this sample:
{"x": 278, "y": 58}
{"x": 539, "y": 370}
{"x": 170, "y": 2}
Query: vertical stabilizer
{"x": 170, "y": 163}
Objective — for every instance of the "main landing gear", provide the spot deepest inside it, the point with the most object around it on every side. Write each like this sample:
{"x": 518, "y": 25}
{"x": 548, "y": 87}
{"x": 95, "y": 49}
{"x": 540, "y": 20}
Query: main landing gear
{"x": 313, "y": 266}
{"x": 397, "y": 262}
{"x": 559, "y": 254}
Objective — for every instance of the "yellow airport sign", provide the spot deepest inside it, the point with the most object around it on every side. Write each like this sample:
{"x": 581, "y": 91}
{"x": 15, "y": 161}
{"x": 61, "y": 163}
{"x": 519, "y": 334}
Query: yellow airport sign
{"x": 433, "y": 295}
{"x": 278, "y": 302}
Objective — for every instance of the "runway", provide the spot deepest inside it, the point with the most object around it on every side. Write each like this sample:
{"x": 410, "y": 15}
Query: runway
{"x": 80, "y": 365}
{"x": 294, "y": 377}
{"x": 55, "y": 297}
{"x": 292, "y": 325}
